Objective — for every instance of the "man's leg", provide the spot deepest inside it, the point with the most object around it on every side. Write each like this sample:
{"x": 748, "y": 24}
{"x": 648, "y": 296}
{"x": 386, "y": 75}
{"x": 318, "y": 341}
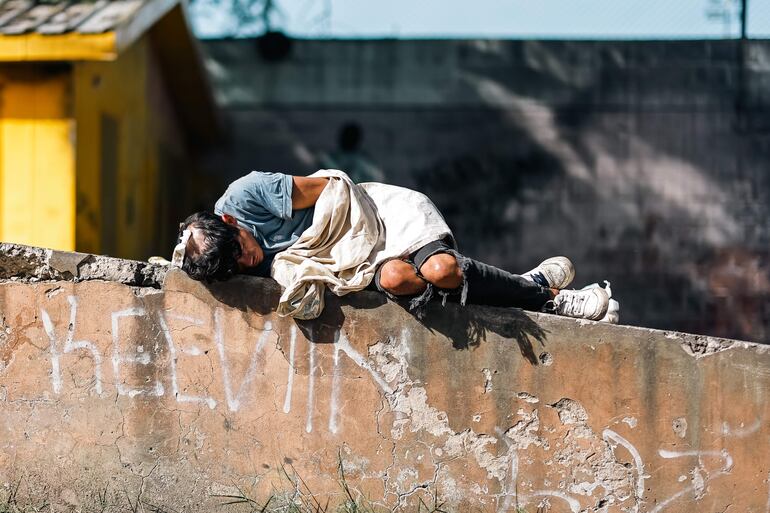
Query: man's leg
{"x": 443, "y": 271}
{"x": 438, "y": 265}
{"x": 399, "y": 277}
{"x": 488, "y": 285}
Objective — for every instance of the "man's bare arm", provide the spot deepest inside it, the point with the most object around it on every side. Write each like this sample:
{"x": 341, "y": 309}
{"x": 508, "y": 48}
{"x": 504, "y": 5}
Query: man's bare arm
{"x": 306, "y": 191}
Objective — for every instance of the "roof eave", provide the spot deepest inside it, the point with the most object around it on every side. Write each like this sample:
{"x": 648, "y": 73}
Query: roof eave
{"x": 140, "y": 23}
{"x": 77, "y": 46}
{"x": 59, "y": 47}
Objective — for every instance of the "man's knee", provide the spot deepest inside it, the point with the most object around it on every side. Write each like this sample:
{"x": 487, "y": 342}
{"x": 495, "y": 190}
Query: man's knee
{"x": 399, "y": 278}
{"x": 443, "y": 271}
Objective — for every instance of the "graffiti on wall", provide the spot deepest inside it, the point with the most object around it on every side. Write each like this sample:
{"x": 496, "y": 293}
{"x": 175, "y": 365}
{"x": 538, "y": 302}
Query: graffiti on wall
{"x": 610, "y": 465}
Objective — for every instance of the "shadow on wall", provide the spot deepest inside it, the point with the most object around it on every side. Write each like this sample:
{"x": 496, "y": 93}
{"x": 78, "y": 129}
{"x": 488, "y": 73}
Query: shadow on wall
{"x": 467, "y": 327}
{"x": 471, "y": 328}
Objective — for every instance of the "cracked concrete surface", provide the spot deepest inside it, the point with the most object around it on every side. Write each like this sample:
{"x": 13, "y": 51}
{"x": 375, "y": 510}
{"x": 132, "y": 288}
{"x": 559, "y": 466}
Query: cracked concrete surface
{"x": 33, "y": 264}
{"x": 179, "y": 396}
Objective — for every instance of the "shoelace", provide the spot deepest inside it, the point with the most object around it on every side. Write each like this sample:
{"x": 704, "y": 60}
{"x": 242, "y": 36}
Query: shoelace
{"x": 572, "y": 305}
{"x": 540, "y": 279}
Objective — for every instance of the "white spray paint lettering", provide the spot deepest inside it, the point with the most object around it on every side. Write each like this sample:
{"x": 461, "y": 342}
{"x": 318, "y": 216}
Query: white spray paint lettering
{"x": 182, "y": 398}
{"x": 310, "y": 389}
{"x": 742, "y": 431}
{"x": 234, "y": 400}
{"x": 291, "y": 371}
{"x": 574, "y": 505}
{"x": 341, "y": 346}
{"x": 513, "y": 474}
{"x": 118, "y": 359}
{"x": 70, "y": 345}
{"x": 726, "y": 467}
{"x": 608, "y": 435}
{"x": 509, "y": 489}
{"x": 344, "y": 345}
{"x": 334, "y": 403}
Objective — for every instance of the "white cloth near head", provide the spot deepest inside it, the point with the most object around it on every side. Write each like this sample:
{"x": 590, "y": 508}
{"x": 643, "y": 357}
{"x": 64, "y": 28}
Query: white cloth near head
{"x": 355, "y": 229}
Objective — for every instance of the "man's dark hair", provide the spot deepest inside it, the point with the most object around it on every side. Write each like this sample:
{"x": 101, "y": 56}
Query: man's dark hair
{"x": 217, "y": 259}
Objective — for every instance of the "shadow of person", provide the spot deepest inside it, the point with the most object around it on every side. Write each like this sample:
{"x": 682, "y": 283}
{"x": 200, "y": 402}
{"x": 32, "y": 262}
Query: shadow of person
{"x": 246, "y": 293}
{"x": 260, "y": 296}
{"x": 349, "y": 156}
{"x": 467, "y": 326}
{"x": 325, "y": 328}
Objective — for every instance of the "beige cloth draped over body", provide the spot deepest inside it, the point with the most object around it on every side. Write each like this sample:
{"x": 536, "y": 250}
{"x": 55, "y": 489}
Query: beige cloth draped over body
{"x": 356, "y": 228}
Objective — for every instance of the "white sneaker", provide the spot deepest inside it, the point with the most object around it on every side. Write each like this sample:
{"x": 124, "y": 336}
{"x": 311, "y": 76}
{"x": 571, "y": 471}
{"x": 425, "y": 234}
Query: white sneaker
{"x": 613, "y": 313}
{"x": 554, "y": 273}
{"x": 582, "y": 304}
{"x": 613, "y": 310}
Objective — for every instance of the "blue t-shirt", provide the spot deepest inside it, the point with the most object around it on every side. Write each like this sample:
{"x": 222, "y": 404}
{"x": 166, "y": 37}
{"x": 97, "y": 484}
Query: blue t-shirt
{"x": 261, "y": 203}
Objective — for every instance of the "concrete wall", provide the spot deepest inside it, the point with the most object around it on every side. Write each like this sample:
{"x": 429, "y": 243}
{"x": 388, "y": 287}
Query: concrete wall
{"x": 645, "y": 162}
{"x": 114, "y": 395}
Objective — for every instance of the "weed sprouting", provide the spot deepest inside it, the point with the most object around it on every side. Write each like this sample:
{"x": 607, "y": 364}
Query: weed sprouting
{"x": 291, "y": 495}
{"x": 10, "y": 502}
{"x": 297, "y": 497}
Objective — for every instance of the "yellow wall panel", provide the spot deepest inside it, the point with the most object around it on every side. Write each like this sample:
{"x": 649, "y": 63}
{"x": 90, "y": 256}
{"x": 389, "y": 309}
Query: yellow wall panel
{"x": 37, "y": 161}
{"x": 18, "y": 183}
{"x": 55, "y": 185}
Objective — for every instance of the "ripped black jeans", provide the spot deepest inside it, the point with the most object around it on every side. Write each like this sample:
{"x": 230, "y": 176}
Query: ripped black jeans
{"x": 483, "y": 284}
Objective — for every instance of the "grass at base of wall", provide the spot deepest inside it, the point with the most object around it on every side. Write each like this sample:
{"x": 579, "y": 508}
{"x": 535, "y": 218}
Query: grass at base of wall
{"x": 293, "y": 497}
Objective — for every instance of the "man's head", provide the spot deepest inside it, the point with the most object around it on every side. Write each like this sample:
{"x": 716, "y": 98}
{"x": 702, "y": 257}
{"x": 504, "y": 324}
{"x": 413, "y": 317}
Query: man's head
{"x": 218, "y": 247}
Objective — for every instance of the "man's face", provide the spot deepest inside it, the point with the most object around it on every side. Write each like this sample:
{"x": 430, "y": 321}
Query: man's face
{"x": 251, "y": 252}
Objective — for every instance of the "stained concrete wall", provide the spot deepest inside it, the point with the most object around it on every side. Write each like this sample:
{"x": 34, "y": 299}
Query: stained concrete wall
{"x": 176, "y": 396}
{"x": 644, "y": 161}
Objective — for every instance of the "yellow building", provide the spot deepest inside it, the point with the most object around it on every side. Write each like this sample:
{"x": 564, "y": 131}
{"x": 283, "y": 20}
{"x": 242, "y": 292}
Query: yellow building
{"x": 104, "y": 109}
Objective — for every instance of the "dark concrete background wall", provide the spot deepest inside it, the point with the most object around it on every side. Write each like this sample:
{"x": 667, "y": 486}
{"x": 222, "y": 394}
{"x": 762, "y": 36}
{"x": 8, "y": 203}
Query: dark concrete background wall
{"x": 645, "y": 162}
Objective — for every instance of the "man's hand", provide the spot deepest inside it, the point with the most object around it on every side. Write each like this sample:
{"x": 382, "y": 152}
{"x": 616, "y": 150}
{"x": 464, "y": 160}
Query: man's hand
{"x": 306, "y": 191}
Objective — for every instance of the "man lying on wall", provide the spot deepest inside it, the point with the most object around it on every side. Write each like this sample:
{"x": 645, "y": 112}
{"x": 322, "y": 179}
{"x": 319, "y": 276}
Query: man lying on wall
{"x": 323, "y": 230}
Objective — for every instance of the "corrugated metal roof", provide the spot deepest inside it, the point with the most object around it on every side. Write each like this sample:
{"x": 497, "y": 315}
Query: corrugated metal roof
{"x": 94, "y": 17}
